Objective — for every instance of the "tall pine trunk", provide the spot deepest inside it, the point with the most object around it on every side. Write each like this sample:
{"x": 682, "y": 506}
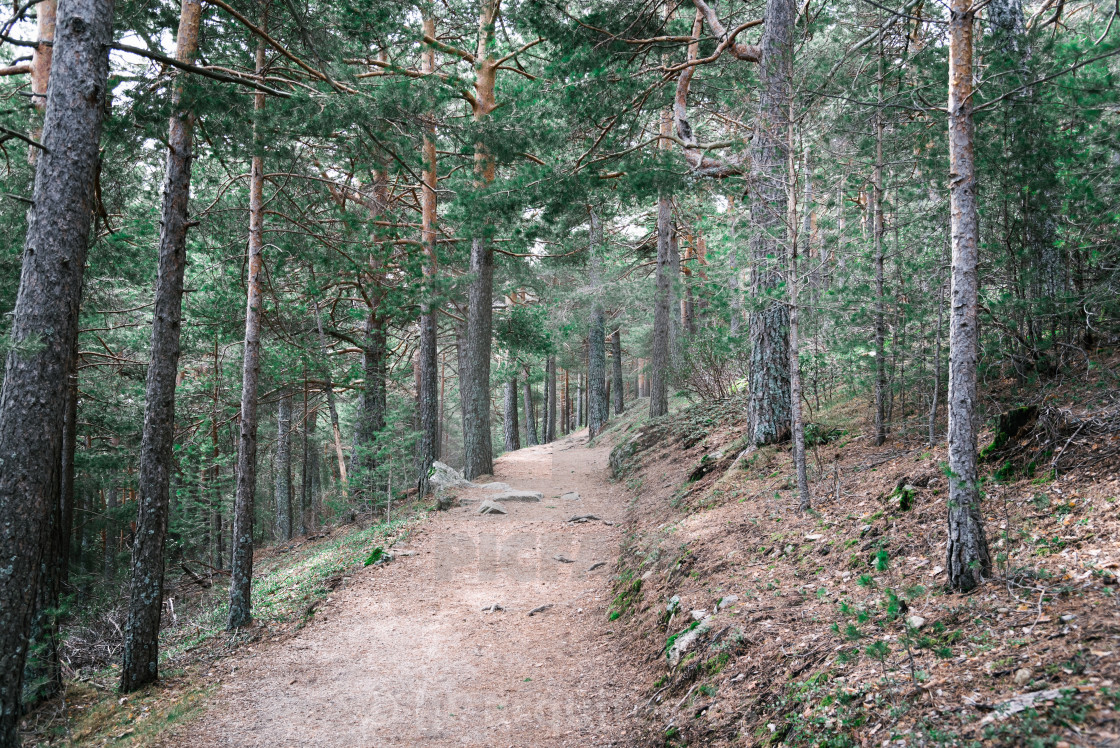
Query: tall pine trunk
{"x": 328, "y": 385}
{"x": 474, "y": 375}
{"x": 531, "y": 439}
{"x": 881, "y": 416}
{"x": 768, "y": 409}
{"x": 370, "y": 419}
{"x": 797, "y": 431}
{"x": 968, "y": 561}
{"x": 616, "y": 371}
{"x": 283, "y": 477}
{"x": 428, "y": 394}
{"x": 598, "y": 411}
{"x": 550, "y": 400}
{"x": 141, "y": 638}
{"x": 241, "y": 557}
{"x": 512, "y": 437}
{"x": 662, "y": 310}
{"x": 44, "y": 326}
{"x": 43, "y": 675}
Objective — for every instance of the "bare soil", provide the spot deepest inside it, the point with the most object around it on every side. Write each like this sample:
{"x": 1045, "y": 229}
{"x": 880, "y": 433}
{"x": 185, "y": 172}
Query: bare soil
{"x": 405, "y": 654}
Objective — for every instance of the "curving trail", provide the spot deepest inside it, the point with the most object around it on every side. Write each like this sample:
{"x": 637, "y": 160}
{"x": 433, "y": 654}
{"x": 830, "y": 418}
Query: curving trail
{"x": 405, "y": 656}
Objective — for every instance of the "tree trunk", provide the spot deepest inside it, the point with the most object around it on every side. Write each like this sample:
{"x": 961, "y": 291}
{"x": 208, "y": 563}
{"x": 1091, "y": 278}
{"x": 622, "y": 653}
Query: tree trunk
{"x": 474, "y": 376}
{"x": 616, "y": 371}
{"x": 428, "y": 395}
{"x": 312, "y": 470}
{"x": 880, "y": 293}
{"x": 936, "y": 390}
{"x": 46, "y": 14}
{"x": 44, "y": 325}
{"x": 513, "y": 439}
{"x": 550, "y": 400}
{"x": 797, "y": 431}
{"x": 109, "y": 549}
{"x": 241, "y": 559}
{"x": 530, "y": 412}
{"x": 336, "y": 432}
{"x": 43, "y": 674}
{"x": 141, "y": 639}
{"x": 283, "y": 476}
{"x": 662, "y": 308}
{"x": 370, "y": 418}
{"x": 598, "y": 410}
{"x": 768, "y": 409}
{"x": 304, "y": 476}
{"x": 565, "y": 407}
{"x": 968, "y": 561}
{"x": 581, "y": 413}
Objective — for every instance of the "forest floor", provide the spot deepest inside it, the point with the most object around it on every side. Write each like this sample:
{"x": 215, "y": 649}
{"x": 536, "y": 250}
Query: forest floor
{"x": 756, "y": 624}
{"x": 405, "y": 653}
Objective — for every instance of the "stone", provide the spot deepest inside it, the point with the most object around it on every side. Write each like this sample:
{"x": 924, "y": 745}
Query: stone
{"x": 570, "y": 496}
{"x": 494, "y": 608}
{"x": 495, "y": 486}
{"x": 813, "y": 538}
{"x": 915, "y": 622}
{"x": 444, "y": 477}
{"x": 515, "y": 495}
{"x": 685, "y": 639}
{"x": 726, "y": 602}
{"x": 1023, "y": 676}
{"x": 489, "y": 507}
{"x": 597, "y": 565}
{"x": 581, "y": 518}
{"x": 564, "y": 559}
{"x": 699, "y": 615}
{"x": 1068, "y": 617}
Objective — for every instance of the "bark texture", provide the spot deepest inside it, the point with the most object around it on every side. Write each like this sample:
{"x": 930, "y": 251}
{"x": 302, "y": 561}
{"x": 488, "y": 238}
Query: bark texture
{"x": 512, "y": 437}
{"x": 531, "y": 439}
{"x": 141, "y": 638}
{"x": 880, "y": 289}
{"x": 968, "y": 562}
{"x": 370, "y": 420}
{"x": 597, "y": 411}
{"x": 241, "y": 557}
{"x": 336, "y": 432}
{"x": 428, "y": 394}
{"x": 283, "y": 476}
{"x": 662, "y": 310}
{"x": 43, "y": 675}
{"x": 44, "y": 327}
{"x": 618, "y": 394}
{"x": 550, "y": 400}
{"x": 478, "y": 455}
{"x": 768, "y": 409}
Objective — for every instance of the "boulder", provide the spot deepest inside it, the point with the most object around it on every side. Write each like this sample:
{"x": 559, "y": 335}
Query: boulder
{"x": 495, "y": 486}
{"x": 683, "y": 641}
{"x": 517, "y": 495}
{"x": 570, "y": 496}
{"x": 489, "y": 507}
{"x": 445, "y": 477}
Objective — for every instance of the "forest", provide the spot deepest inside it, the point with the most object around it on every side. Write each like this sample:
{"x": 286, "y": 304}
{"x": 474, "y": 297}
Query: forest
{"x": 272, "y": 270}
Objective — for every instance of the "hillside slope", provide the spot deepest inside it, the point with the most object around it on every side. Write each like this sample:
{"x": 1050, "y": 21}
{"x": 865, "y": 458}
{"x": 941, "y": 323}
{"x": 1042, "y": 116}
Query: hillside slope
{"x": 759, "y": 625}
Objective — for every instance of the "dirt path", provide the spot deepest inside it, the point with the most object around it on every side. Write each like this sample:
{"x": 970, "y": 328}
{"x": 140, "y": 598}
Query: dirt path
{"x": 405, "y": 655}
